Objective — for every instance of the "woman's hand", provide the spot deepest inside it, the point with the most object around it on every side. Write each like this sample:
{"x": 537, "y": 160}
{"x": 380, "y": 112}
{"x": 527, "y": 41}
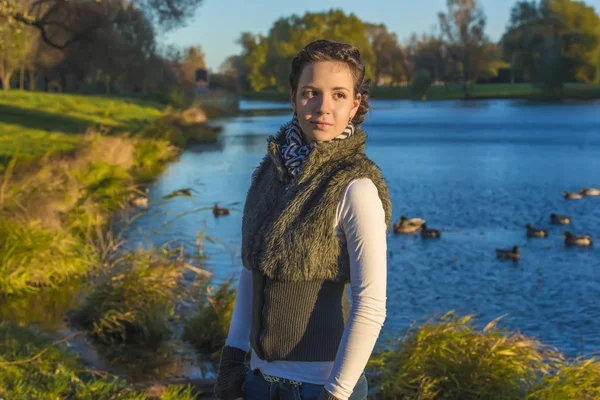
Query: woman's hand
{"x": 231, "y": 374}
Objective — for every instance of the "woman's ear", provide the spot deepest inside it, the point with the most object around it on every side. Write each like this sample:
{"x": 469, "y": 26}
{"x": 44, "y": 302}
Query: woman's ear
{"x": 293, "y": 100}
{"x": 357, "y": 101}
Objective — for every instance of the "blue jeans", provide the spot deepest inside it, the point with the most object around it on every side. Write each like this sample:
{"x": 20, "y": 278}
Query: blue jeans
{"x": 256, "y": 388}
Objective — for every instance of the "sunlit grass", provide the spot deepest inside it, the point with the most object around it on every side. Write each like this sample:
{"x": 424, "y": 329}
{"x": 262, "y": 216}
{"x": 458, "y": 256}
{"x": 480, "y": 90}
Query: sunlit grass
{"x": 32, "y": 368}
{"x": 34, "y": 123}
{"x": 126, "y": 114}
{"x": 578, "y": 379}
{"x": 32, "y": 256}
{"x": 208, "y": 329}
{"x": 449, "y": 358}
{"x": 132, "y": 301}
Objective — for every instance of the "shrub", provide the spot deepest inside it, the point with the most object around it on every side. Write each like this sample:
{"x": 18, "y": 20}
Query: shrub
{"x": 31, "y": 368}
{"x": 421, "y": 83}
{"x": 32, "y": 257}
{"x": 208, "y": 330}
{"x": 131, "y": 304}
{"x": 577, "y": 379}
{"x": 448, "y": 358}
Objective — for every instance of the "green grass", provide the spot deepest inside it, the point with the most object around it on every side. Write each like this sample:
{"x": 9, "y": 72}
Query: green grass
{"x": 70, "y": 112}
{"x": 448, "y": 357}
{"x": 577, "y": 379}
{"x": 208, "y": 329}
{"x": 132, "y": 302}
{"x": 35, "y": 123}
{"x": 453, "y": 92}
{"x": 31, "y": 368}
{"x": 32, "y": 256}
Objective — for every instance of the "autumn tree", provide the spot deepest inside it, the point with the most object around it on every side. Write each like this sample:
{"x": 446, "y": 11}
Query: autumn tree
{"x": 429, "y": 53}
{"x": 463, "y": 30}
{"x": 554, "y": 41}
{"x": 390, "y": 59}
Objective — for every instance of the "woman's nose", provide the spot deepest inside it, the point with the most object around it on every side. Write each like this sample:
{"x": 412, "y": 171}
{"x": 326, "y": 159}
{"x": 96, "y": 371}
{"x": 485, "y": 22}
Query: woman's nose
{"x": 323, "y": 105}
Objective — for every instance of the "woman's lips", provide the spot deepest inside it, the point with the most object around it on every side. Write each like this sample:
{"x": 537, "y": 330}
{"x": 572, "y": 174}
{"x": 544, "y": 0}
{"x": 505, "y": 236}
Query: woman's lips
{"x": 321, "y": 125}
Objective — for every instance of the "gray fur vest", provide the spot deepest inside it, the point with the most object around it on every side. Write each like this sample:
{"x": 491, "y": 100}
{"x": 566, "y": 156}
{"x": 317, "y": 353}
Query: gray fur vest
{"x": 287, "y": 227}
{"x": 300, "y": 269}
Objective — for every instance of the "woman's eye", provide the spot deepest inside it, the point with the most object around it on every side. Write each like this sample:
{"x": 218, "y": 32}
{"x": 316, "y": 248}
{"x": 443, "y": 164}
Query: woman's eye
{"x": 340, "y": 95}
{"x": 309, "y": 93}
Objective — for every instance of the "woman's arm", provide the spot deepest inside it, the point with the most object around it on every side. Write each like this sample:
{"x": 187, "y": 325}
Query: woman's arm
{"x": 241, "y": 319}
{"x": 232, "y": 370}
{"x": 362, "y": 219}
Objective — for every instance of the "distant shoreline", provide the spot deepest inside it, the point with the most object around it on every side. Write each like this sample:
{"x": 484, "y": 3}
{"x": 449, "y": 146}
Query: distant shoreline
{"x": 491, "y": 91}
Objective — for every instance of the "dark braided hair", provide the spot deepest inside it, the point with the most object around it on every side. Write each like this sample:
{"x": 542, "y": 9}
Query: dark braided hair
{"x": 329, "y": 50}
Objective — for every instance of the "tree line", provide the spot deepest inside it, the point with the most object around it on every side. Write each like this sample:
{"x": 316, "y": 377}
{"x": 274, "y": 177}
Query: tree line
{"x": 547, "y": 42}
{"x": 111, "y": 46}
{"x": 93, "y": 46}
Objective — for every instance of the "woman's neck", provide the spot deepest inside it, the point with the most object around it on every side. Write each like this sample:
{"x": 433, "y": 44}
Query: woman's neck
{"x": 306, "y": 139}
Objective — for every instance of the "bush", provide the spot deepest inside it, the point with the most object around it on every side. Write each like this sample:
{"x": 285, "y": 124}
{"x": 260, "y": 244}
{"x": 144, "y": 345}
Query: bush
{"x": 32, "y": 257}
{"x": 218, "y": 103}
{"x": 578, "y": 379}
{"x": 151, "y": 157}
{"x": 132, "y": 303}
{"x": 208, "y": 330}
{"x": 173, "y": 129}
{"x": 58, "y": 374}
{"x": 448, "y": 358}
{"x": 421, "y": 83}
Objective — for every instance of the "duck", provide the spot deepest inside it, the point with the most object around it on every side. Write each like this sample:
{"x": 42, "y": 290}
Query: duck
{"x": 536, "y": 232}
{"x": 577, "y": 240}
{"x": 589, "y": 192}
{"x": 560, "y": 219}
{"x": 406, "y": 225}
{"x": 572, "y": 196}
{"x": 513, "y": 254}
{"x": 429, "y": 233}
{"x": 218, "y": 211}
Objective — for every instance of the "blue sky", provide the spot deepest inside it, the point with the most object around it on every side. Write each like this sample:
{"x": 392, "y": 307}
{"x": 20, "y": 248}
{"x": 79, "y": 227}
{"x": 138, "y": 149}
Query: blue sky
{"x": 217, "y": 24}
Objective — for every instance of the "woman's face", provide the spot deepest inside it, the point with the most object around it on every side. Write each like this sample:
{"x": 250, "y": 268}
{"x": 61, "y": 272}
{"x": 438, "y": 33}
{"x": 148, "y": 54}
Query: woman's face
{"x": 325, "y": 100}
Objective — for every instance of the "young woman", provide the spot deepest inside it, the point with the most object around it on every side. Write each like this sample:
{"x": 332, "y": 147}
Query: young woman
{"x": 315, "y": 221}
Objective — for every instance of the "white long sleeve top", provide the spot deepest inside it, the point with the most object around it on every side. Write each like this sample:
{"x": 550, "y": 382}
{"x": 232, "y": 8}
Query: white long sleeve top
{"x": 360, "y": 224}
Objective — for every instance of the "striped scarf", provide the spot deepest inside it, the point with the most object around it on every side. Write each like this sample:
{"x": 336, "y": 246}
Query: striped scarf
{"x": 294, "y": 151}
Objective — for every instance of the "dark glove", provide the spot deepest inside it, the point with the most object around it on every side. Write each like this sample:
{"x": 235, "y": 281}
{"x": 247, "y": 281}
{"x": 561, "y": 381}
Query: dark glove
{"x": 231, "y": 374}
{"x": 325, "y": 395}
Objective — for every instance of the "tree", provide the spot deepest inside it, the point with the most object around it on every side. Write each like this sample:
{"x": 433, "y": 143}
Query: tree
{"x": 15, "y": 44}
{"x": 63, "y": 22}
{"x": 554, "y": 41}
{"x": 254, "y": 60}
{"x": 229, "y": 75}
{"x": 463, "y": 28}
{"x": 193, "y": 59}
{"x": 390, "y": 60}
{"x": 289, "y": 35}
{"x": 430, "y": 53}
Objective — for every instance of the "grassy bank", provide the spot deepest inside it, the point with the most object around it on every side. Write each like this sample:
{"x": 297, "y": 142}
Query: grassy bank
{"x": 34, "y": 124}
{"x": 68, "y": 166}
{"x": 33, "y": 368}
{"x": 455, "y": 92}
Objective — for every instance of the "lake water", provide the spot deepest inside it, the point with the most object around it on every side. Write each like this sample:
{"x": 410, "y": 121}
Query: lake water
{"x": 478, "y": 170}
